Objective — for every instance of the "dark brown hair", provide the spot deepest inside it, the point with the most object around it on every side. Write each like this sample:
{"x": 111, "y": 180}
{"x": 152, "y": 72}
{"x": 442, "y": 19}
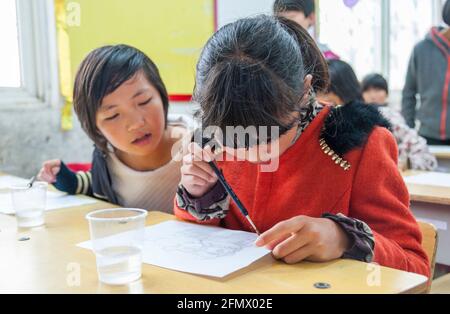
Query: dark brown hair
{"x": 100, "y": 74}
{"x": 344, "y": 82}
{"x": 374, "y": 81}
{"x": 251, "y": 73}
{"x": 306, "y": 6}
{"x": 446, "y": 12}
{"x": 313, "y": 59}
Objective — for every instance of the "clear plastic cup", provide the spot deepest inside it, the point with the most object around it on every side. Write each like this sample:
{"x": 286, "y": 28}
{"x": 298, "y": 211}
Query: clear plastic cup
{"x": 29, "y": 204}
{"x": 117, "y": 237}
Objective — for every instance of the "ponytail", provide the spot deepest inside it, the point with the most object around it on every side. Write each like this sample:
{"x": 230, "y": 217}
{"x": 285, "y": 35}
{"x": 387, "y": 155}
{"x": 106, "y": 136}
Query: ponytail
{"x": 313, "y": 60}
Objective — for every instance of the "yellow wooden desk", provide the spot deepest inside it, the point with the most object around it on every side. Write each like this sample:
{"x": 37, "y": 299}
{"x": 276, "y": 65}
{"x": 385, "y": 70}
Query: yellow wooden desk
{"x": 440, "y": 151}
{"x": 47, "y": 262}
{"x": 442, "y": 154}
{"x": 432, "y": 204}
{"x": 426, "y": 193}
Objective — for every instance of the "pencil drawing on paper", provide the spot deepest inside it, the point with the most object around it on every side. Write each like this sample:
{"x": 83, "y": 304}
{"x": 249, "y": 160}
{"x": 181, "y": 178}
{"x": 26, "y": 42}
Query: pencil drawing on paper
{"x": 206, "y": 246}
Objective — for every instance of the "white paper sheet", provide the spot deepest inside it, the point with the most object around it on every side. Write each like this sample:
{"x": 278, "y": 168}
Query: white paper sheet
{"x": 55, "y": 200}
{"x": 197, "y": 249}
{"x": 430, "y": 178}
{"x": 7, "y": 181}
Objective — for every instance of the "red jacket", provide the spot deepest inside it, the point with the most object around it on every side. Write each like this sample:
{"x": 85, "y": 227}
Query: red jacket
{"x": 308, "y": 182}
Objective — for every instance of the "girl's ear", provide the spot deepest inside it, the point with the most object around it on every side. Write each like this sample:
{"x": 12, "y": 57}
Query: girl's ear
{"x": 307, "y": 82}
{"x": 307, "y": 86}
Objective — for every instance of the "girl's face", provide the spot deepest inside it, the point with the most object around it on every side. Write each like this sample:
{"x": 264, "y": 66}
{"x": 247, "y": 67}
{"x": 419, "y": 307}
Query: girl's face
{"x": 375, "y": 96}
{"x": 132, "y": 117}
{"x": 330, "y": 99}
{"x": 263, "y": 153}
{"x": 300, "y": 18}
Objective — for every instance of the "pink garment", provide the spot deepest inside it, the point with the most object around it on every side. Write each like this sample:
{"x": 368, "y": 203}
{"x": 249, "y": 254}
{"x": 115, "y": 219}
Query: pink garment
{"x": 330, "y": 55}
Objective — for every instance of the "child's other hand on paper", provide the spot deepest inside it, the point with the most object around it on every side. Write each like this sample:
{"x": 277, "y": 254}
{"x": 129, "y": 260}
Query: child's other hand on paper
{"x": 305, "y": 238}
{"x": 49, "y": 171}
{"x": 197, "y": 176}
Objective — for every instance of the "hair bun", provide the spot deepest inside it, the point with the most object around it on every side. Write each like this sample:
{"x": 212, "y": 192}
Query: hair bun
{"x": 446, "y": 13}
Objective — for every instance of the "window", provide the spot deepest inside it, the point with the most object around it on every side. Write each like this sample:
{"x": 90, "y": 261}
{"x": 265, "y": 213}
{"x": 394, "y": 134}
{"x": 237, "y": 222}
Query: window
{"x": 28, "y": 59}
{"x": 354, "y": 34}
{"x": 9, "y": 54}
{"x": 410, "y": 22}
{"x": 377, "y": 35}
{"x": 229, "y": 11}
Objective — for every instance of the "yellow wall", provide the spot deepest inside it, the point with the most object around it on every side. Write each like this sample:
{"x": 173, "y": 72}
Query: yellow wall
{"x": 171, "y": 32}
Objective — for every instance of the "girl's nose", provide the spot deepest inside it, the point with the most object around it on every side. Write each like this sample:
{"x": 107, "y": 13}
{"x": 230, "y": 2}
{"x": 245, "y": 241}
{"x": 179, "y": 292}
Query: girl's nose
{"x": 136, "y": 123}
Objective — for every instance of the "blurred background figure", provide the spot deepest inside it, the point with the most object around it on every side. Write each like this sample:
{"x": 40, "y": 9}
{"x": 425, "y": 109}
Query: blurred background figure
{"x": 413, "y": 150}
{"x": 428, "y": 77}
{"x": 345, "y": 89}
{"x": 303, "y": 12}
{"x": 344, "y": 85}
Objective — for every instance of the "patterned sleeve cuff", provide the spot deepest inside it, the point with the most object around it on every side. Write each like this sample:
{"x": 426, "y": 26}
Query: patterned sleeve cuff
{"x": 360, "y": 235}
{"x": 212, "y": 205}
{"x": 66, "y": 180}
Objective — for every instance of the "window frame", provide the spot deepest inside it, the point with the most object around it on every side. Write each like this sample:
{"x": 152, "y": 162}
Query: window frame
{"x": 38, "y": 57}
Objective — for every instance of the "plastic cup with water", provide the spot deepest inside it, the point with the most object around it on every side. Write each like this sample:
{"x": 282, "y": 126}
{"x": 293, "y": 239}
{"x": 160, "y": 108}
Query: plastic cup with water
{"x": 117, "y": 237}
{"x": 29, "y": 204}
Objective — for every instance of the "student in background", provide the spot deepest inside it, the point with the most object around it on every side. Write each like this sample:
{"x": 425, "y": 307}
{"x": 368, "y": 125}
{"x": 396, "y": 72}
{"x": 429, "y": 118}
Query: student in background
{"x": 327, "y": 198}
{"x": 345, "y": 89}
{"x": 123, "y": 105}
{"x": 344, "y": 85}
{"x": 412, "y": 147}
{"x": 303, "y": 13}
{"x": 429, "y": 77}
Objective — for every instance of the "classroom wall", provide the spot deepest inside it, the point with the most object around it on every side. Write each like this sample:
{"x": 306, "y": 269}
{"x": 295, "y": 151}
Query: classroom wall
{"x": 230, "y": 10}
{"x": 172, "y": 33}
{"x": 30, "y": 136}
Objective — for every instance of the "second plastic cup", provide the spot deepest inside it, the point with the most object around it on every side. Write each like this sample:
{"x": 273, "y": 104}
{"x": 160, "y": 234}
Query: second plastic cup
{"x": 117, "y": 237}
{"x": 29, "y": 204}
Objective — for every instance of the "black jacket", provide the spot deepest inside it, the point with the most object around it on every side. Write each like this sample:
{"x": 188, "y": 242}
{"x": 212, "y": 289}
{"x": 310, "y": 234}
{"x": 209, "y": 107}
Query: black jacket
{"x": 96, "y": 182}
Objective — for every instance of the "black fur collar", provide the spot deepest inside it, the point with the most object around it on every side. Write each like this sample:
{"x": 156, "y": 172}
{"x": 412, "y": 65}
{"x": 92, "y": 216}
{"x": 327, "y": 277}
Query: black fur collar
{"x": 348, "y": 127}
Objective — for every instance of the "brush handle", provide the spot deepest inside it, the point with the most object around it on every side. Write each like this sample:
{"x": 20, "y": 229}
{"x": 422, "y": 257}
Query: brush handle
{"x": 228, "y": 188}
{"x": 232, "y": 194}
{"x": 31, "y": 182}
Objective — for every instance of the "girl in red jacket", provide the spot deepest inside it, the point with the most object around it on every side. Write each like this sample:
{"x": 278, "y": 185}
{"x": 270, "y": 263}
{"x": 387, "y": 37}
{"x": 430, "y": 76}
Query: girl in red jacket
{"x": 320, "y": 183}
